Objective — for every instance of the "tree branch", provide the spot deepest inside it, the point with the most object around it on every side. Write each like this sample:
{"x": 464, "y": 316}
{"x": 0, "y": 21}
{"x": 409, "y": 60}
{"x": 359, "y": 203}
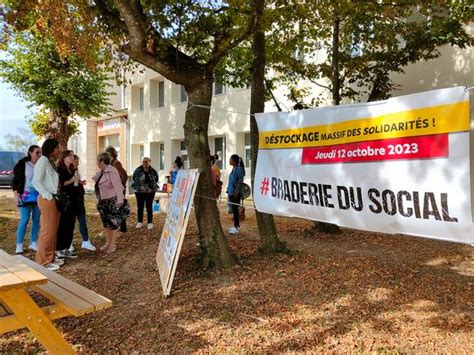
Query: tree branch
{"x": 273, "y": 96}
{"x": 222, "y": 46}
{"x": 320, "y": 85}
{"x": 134, "y": 24}
{"x": 110, "y": 17}
{"x": 142, "y": 45}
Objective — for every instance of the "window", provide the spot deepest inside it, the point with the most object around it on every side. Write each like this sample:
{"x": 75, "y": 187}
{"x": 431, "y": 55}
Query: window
{"x": 162, "y": 156}
{"x": 137, "y": 97}
{"x": 248, "y": 156}
{"x": 124, "y": 97}
{"x": 219, "y": 149}
{"x": 157, "y": 93}
{"x": 178, "y": 94}
{"x": 142, "y": 99}
{"x": 183, "y": 96}
{"x": 161, "y": 94}
{"x": 218, "y": 89}
{"x": 112, "y": 140}
{"x": 142, "y": 152}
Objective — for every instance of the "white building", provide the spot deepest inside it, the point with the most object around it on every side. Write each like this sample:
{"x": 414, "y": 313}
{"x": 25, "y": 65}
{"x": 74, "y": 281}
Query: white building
{"x": 150, "y": 115}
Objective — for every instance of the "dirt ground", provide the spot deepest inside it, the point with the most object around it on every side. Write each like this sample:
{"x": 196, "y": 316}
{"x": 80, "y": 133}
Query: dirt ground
{"x": 353, "y": 292}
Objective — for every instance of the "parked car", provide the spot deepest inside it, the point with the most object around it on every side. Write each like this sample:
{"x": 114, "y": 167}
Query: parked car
{"x": 7, "y": 162}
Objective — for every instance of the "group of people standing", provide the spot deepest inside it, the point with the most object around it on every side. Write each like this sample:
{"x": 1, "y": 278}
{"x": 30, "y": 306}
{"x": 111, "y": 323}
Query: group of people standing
{"x": 48, "y": 189}
{"x": 37, "y": 179}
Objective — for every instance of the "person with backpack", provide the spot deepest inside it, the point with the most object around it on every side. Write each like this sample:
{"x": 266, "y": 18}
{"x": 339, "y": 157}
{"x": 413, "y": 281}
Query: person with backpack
{"x": 26, "y": 198}
{"x": 234, "y": 190}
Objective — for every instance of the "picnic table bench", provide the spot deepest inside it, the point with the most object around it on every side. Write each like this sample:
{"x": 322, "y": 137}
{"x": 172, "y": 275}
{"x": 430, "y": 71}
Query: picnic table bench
{"x": 18, "y": 310}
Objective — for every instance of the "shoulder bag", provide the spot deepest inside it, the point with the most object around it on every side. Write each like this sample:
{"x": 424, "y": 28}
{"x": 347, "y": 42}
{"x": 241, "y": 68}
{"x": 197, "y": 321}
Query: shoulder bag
{"x": 62, "y": 201}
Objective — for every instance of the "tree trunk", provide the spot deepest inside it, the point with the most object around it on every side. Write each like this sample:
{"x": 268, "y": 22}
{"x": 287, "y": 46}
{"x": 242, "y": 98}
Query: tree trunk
{"x": 380, "y": 88}
{"x": 335, "y": 77}
{"x": 58, "y": 130}
{"x": 214, "y": 247}
{"x": 324, "y": 227}
{"x": 266, "y": 225}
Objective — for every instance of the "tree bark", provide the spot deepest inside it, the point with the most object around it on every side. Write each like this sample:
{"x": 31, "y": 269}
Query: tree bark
{"x": 196, "y": 77}
{"x": 58, "y": 122}
{"x": 335, "y": 77}
{"x": 215, "y": 253}
{"x": 325, "y": 227}
{"x": 214, "y": 248}
{"x": 380, "y": 88}
{"x": 266, "y": 225}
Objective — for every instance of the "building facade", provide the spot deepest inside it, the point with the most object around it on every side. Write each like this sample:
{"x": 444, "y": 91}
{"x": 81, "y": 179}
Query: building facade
{"x": 157, "y": 109}
{"x": 150, "y": 115}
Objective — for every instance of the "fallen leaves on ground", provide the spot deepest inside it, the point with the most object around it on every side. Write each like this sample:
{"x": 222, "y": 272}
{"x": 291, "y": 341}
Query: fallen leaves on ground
{"x": 352, "y": 292}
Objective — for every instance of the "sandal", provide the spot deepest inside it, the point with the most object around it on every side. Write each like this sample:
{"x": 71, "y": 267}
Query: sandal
{"x": 105, "y": 247}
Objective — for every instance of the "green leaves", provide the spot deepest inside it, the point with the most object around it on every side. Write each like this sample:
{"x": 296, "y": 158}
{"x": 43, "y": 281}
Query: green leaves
{"x": 375, "y": 39}
{"x": 35, "y": 69}
{"x": 40, "y": 124}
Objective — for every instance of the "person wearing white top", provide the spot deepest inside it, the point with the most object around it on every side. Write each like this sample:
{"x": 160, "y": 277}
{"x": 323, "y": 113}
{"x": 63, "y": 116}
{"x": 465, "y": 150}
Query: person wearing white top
{"x": 46, "y": 182}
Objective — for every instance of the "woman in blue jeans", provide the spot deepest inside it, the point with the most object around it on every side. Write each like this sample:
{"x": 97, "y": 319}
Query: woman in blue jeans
{"x": 26, "y": 198}
{"x": 234, "y": 190}
{"x": 81, "y": 212}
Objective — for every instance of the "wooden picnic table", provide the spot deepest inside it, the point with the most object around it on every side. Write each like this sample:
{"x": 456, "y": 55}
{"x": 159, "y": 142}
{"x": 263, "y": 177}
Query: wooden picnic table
{"x": 19, "y": 310}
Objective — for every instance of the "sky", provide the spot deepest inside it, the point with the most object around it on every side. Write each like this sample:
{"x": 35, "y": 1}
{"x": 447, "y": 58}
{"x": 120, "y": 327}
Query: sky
{"x": 14, "y": 112}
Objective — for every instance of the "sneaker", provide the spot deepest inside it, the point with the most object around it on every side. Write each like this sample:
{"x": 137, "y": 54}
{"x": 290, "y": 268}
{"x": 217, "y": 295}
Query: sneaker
{"x": 34, "y": 246}
{"x": 139, "y": 225}
{"x": 19, "y": 248}
{"x": 150, "y": 226}
{"x": 88, "y": 245}
{"x": 59, "y": 254}
{"x": 52, "y": 266}
{"x": 59, "y": 262}
{"x": 234, "y": 230}
{"x": 72, "y": 249}
{"x": 69, "y": 254}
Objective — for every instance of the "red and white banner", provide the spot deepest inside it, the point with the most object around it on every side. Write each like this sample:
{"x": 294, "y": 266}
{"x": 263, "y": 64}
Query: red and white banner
{"x": 396, "y": 166}
{"x": 424, "y": 147}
